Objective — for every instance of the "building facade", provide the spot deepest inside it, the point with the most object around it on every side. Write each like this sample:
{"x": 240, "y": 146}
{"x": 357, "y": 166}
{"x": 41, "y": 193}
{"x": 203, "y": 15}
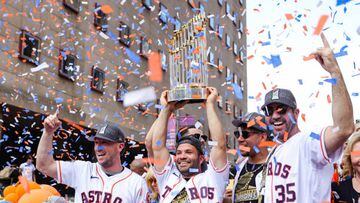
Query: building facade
{"x": 86, "y": 54}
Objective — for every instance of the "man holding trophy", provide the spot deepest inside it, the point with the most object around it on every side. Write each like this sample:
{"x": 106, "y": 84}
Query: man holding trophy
{"x": 186, "y": 177}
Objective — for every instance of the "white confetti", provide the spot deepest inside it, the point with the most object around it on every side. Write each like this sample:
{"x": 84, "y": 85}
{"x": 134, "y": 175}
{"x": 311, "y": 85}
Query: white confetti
{"x": 144, "y": 95}
{"x": 40, "y": 67}
{"x": 212, "y": 143}
{"x": 103, "y": 35}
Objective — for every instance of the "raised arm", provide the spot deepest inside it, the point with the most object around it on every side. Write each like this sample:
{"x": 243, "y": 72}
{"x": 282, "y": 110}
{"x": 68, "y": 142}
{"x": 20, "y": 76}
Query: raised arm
{"x": 45, "y": 162}
{"x": 342, "y": 110}
{"x": 218, "y": 151}
{"x": 148, "y": 140}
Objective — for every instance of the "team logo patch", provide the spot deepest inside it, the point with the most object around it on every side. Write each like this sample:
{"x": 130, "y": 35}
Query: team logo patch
{"x": 275, "y": 95}
{"x": 102, "y": 130}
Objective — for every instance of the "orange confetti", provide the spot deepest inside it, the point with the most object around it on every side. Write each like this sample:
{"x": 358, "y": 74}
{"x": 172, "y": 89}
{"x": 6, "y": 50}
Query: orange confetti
{"x": 250, "y": 57}
{"x": 106, "y": 9}
{"x": 154, "y": 65}
{"x": 320, "y": 25}
{"x": 303, "y": 117}
{"x": 243, "y": 148}
{"x": 289, "y": 16}
{"x": 267, "y": 144}
{"x": 286, "y": 135}
{"x": 308, "y": 58}
{"x": 232, "y": 151}
{"x": 264, "y": 86}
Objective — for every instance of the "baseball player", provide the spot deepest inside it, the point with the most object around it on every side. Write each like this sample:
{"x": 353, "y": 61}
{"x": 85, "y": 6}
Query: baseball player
{"x": 249, "y": 170}
{"x": 183, "y": 178}
{"x": 105, "y": 181}
{"x": 300, "y": 169}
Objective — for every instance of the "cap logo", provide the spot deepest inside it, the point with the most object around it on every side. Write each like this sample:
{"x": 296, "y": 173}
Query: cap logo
{"x": 102, "y": 130}
{"x": 275, "y": 95}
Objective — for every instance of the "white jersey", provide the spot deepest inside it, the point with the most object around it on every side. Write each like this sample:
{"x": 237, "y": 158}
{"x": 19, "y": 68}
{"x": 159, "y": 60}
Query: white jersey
{"x": 208, "y": 186}
{"x": 27, "y": 170}
{"x": 300, "y": 171}
{"x": 91, "y": 184}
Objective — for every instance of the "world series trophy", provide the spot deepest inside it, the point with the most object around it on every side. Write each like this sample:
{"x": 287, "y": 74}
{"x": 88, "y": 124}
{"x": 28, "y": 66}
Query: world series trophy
{"x": 188, "y": 65}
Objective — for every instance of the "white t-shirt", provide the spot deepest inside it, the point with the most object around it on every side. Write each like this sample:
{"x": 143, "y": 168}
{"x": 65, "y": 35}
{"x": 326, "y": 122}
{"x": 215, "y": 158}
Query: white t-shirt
{"x": 300, "y": 171}
{"x": 91, "y": 184}
{"x": 27, "y": 170}
{"x": 208, "y": 186}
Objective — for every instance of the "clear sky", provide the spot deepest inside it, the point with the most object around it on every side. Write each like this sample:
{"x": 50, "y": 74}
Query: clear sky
{"x": 271, "y": 33}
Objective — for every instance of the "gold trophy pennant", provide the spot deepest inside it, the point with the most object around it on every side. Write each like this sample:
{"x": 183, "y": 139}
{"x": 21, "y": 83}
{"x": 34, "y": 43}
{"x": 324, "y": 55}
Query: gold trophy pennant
{"x": 188, "y": 67}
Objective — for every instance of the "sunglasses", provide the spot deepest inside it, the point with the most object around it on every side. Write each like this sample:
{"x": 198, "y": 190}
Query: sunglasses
{"x": 245, "y": 134}
{"x": 197, "y": 136}
{"x": 279, "y": 109}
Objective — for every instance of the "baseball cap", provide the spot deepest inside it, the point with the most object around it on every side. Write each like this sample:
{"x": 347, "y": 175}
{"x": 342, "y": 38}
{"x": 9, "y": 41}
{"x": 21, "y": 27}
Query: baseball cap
{"x": 252, "y": 120}
{"x": 110, "y": 133}
{"x": 282, "y": 96}
{"x": 190, "y": 140}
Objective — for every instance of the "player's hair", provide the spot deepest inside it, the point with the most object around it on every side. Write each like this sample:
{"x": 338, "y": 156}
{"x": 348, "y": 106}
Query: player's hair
{"x": 150, "y": 177}
{"x": 348, "y": 169}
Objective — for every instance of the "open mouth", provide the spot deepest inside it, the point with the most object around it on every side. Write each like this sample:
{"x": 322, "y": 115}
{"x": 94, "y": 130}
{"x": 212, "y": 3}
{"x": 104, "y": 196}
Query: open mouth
{"x": 101, "y": 154}
{"x": 278, "y": 123}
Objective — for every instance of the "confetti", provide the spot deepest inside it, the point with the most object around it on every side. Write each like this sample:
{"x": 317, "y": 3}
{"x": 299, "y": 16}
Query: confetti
{"x": 342, "y": 2}
{"x": 243, "y": 148}
{"x": 154, "y": 66}
{"x": 355, "y": 153}
{"x": 331, "y": 81}
{"x": 106, "y": 9}
{"x": 289, "y": 16}
{"x": 320, "y": 25}
{"x": 342, "y": 52}
{"x": 40, "y": 67}
{"x": 139, "y": 96}
{"x": 212, "y": 143}
{"x": 267, "y": 144}
{"x": 257, "y": 150}
{"x": 193, "y": 170}
{"x": 315, "y": 136}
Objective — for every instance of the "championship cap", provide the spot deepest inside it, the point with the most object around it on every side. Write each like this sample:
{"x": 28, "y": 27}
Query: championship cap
{"x": 282, "y": 96}
{"x": 110, "y": 133}
{"x": 190, "y": 140}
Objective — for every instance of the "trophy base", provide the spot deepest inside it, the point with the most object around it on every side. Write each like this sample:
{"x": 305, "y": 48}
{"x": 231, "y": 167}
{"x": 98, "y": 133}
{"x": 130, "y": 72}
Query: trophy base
{"x": 192, "y": 94}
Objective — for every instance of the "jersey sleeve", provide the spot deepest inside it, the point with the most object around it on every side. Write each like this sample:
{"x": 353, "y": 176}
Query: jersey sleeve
{"x": 315, "y": 146}
{"x": 69, "y": 172}
{"x": 220, "y": 177}
{"x": 163, "y": 176}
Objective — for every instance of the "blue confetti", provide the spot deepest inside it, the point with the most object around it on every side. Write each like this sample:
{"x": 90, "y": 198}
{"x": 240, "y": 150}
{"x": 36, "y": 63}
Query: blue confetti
{"x": 257, "y": 150}
{"x": 315, "y": 136}
{"x": 355, "y": 94}
{"x": 291, "y": 118}
{"x": 300, "y": 81}
{"x": 331, "y": 80}
{"x": 275, "y": 60}
{"x": 265, "y": 43}
{"x": 133, "y": 56}
{"x": 158, "y": 143}
{"x": 342, "y": 52}
{"x": 59, "y": 100}
{"x": 100, "y": 147}
{"x": 341, "y": 2}
{"x": 237, "y": 91}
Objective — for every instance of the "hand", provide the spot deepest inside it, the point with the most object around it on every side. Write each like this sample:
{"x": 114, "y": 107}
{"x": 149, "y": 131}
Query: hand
{"x": 212, "y": 95}
{"x": 175, "y": 105}
{"x": 228, "y": 193}
{"x": 325, "y": 57}
{"x": 52, "y": 122}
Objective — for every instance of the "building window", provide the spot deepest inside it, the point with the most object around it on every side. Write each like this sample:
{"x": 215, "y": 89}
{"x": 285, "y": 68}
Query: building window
{"x": 201, "y": 8}
{"x": 100, "y": 18}
{"x": 220, "y": 101}
{"x": 121, "y": 89}
{"x": 227, "y": 107}
{"x": 241, "y": 84}
{"x": 220, "y": 65}
{"x": 212, "y": 23}
{"x": 242, "y": 56}
{"x": 73, "y": 5}
{"x": 228, "y": 41}
{"x": 234, "y": 15}
{"x": 236, "y": 112}
{"x": 145, "y": 48}
{"x": 98, "y": 79}
{"x": 163, "y": 15}
{"x": 211, "y": 58}
{"x": 227, "y": 8}
{"x": 241, "y": 2}
{"x": 228, "y": 76}
{"x": 177, "y": 24}
{"x": 124, "y": 34}
{"x": 67, "y": 66}
{"x": 220, "y": 2}
{"x": 241, "y": 28}
{"x": 191, "y": 3}
{"x": 163, "y": 61}
{"x": 147, "y": 4}
{"x": 220, "y": 31}
{"x": 235, "y": 78}
{"x": 29, "y": 47}
{"x": 235, "y": 49}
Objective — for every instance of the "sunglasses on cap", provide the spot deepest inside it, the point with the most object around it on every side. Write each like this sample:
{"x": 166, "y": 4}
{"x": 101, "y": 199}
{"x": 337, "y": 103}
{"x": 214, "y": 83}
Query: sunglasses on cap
{"x": 281, "y": 109}
{"x": 245, "y": 134}
{"x": 197, "y": 136}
